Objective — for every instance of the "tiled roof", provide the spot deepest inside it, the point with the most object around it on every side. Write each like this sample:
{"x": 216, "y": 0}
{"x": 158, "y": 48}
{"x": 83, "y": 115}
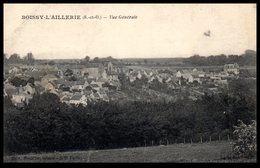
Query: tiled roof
{"x": 76, "y": 97}
{"x": 59, "y": 81}
{"x": 65, "y": 98}
{"x": 96, "y": 95}
{"x": 101, "y": 80}
{"x": 80, "y": 82}
{"x": 94, "y": 85}
{"x": 102, "y": 92}
{"x": 88, "y": 92}
{"x": 112, "y": 73}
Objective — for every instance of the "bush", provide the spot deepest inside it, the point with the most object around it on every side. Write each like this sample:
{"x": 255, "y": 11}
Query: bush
{"x": 245, "y": 145}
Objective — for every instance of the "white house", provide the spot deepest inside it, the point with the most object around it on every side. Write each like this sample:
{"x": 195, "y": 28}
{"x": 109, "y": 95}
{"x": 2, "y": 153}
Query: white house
{"x": 178, "y": 74}
{"x": 139, "y": 75}
{"x": 190, "y": 79}
{"x": 132, "y": 78}
{"x": 112, "y": 76}
{"x": 29, "y": 89}
{"x": 232, "y": 68}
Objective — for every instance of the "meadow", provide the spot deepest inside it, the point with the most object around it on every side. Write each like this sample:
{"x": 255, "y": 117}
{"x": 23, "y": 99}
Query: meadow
{"x": 217, "y": 151}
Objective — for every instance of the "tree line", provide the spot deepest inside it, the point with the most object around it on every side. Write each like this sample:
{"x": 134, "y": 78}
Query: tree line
{"x": 248, "y": 58}
{"x": 16, "y": 58}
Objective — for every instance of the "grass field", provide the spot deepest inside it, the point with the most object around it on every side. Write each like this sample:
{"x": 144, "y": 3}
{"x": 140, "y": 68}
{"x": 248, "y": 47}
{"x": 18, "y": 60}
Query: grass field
{"x": 196, "y": 152}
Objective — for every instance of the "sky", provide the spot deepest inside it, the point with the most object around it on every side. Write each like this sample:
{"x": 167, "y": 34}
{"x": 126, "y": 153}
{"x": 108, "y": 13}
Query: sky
{"x": 160, "y": 30}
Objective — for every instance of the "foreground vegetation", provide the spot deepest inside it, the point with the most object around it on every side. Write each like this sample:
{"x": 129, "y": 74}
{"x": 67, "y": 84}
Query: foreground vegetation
{"x": 196, "y": 152}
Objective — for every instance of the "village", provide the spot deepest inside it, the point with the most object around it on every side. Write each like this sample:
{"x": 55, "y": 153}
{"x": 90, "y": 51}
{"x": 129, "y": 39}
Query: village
{"x": 108, "y": 81}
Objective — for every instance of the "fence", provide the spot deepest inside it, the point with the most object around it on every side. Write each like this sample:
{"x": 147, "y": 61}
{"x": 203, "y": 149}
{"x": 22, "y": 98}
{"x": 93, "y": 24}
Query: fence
{"x": 185, "y": 140}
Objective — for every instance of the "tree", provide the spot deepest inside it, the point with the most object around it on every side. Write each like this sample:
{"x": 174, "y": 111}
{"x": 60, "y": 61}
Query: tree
{"x": 72, "y": 78}
{"x": 29, "y": 58}
{"x": 15, "y": 58}
{"x": 96, "y": 59}
{"x": 123, "y": 80}
{"x": 87, "y": 59}
{"x": 68, "y": 72}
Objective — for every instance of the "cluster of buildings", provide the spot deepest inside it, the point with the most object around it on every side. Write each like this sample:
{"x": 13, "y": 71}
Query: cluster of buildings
{"x": 80, "y": 84}
{"x": 192, "y": 82}
{"x": 74, "y": 84}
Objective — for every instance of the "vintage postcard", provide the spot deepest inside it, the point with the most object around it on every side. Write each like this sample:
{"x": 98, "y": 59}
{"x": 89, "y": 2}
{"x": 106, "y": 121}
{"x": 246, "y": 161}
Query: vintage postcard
{"x": 129, "y": 83}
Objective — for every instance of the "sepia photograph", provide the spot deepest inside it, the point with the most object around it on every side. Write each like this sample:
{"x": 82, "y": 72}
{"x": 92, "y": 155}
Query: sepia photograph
{"x": 129, "y": 83}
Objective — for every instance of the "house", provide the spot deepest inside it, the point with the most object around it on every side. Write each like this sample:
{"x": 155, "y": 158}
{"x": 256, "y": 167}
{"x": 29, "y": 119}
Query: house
{"x": 47, "y": 78}
{"x": 60, "y": 73}
{"x": 92, "y": 70}
{"x": 11, "y": 91}
{"x": 232, "y": 68}
{"x": 78, "y": 99}
{"x": 110, "y": 66}
{"x": 59, "y": 82}
{"x": 139, "y": 75}
{"x": 50, "y": 86}
{"x": 29, "y": 89}
{"x": 56, "y": 92}
{"x": 88, "y": 93}
{"x": 66, "y": 85}
{"x": 94, "y": 86}
{"x": 190, "y": 79}
{"x": 198, "y": 80}
{"x": 104, "y": 74}
{"x": 160, "y": 79}
{"x": 168, "y": 80}
{"x": 201, "y": 75}
{"x": 116, "y": 84}
{"x": 103, "y": 95}
{"x": 148, "y": 73}
{"x": 178, "y": 74}
{"x": 37, "y": 75}
{"x": 132, "y": 78}
{"x": 100, "y": 82}
{"x": 79, "y": 85}
{"x": 96, "y": 96}
{"x": 222, "y": 82}
{"x": 151, "y": 78}
{"x": 77, "y": 71}
{"x": 65, "y": 99}
{"x": 14, "y": 70}
{"x": 112, "y": 76}
{"x": 19, "y": 97}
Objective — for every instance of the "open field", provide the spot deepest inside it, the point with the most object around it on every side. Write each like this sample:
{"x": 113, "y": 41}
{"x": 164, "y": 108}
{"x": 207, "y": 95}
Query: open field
{"x": 196, "y": 152}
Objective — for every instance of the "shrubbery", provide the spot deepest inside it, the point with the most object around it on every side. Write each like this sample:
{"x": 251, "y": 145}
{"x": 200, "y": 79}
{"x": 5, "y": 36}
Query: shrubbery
{"x": 245, "y": 145}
